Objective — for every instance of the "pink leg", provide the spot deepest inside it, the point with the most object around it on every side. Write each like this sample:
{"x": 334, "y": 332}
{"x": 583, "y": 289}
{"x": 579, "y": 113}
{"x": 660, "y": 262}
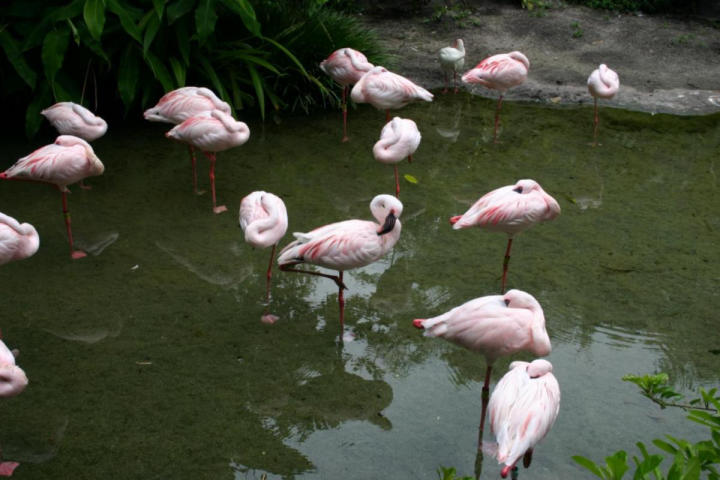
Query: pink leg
{"x": 506, "y": 262}
{"x": 193, "y": 161}
{"x": 344, "y": 110}
{"x": 75, "y": 254}
{"x": 485, "y": 399}
{"x": 509, "y": 468}
{"x": 387, "y": 116}
{"x": 337, "y": 279}
{"x": 216, "y": 208}
{"x": 397, "y": 183}
{"x": 497, "y": 118}
{"x": 341, "y": 303}
{"x": 269, "y": 275}
{"x": 409, "y": 158}
{"x": 445, "y": 82}
{"x": 596, "y": 120}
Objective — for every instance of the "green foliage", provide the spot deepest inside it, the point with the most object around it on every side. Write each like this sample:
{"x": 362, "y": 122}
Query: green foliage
{"x": 689, "y": 460}
{"x": 253, "y": 56}
{"x": 577, "y": 31}
{"x": 449, "y": 474}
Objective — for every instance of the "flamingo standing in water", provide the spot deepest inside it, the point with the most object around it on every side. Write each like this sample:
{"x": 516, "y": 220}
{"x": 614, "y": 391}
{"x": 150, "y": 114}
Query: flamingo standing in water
{"x": 264, "y": 219}
{"x": 452, "y": 60}
{"x": 211, "y": 132}
{"x": 509, "y": 209}
{"x": 385, "y": 90}
{"x": 398, "y": 140}
{"x": 346, "y": 66}
{"x": 67, "y": 161}
{"x": 17, "y": 240}
{"x": 69, "y": 118}
{"x": 178, "y": 105}
{"x": 494, "y": 326}
{"x": 344, "y": 245}
{"x": 523, "y": 408}
{"x": 602, "y": 83}
{"x": 499, "y": 72}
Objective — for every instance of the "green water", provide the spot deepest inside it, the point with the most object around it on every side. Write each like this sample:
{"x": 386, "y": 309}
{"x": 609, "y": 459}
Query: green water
{"x": 148, "y": 359}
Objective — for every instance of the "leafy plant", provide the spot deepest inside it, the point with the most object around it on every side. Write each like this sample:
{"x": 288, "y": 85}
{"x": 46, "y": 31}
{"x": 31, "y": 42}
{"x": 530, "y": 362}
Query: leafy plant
{"x": 448, "y": 473}
{"x": 689, "y": 460}
{"x": 577, "y": 31}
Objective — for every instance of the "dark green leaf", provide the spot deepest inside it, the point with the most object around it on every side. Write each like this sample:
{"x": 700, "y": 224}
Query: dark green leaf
{"x": 205, "y": 19}
{"x": 53, "y": 52}
{"x": 589, "y": 465}
{"x": 53, "y": 15}
{"x": 183, "y": 43}
{"x": 159, "y": 6}
{"x": 178, "y": 70}
{"x": 128, "y": 22}
{"x": 245, "y": 11}
{"x": 16, "y": 59}
{"x": 33, "y": 119}
{"x": 178, "y": 9}
{"x": 153, "y": 25}
{"x": 93, "y": 45}
{"x": 76, "y": 35}
{"x": 128, "y": 72}
{"x": 617, "y": 464}
{"x": 259, "y": 90}
{"x": 160, "y": 72}
{"x": 663, "y": 445}
{"x": 94, "y": 15}
{"x": 214, "y": 79}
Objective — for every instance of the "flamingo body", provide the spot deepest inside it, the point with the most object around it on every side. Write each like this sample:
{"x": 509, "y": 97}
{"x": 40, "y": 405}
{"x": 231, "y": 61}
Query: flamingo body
{"x": 603, "y": 82}
{"x": 499, "y": 72}
{"x": 17, "y": 240}
{"x": 67, "y": 161}
{"x": 452, "y": 59}
{"x": 212, "y": 131}
{"x": 12, "y": 378}
{"x": 69, "y": 118}
{"x": 385, "y": 90}
{"x": 180, "y": 104}
{"x": 346, "y": 66}
{"x": 494, "y": 326}
{"x": 398, "y": 140}
{"x": 522, "y": 409}
{"x": 510, "y": 209}
{"x": 263, "y": 218}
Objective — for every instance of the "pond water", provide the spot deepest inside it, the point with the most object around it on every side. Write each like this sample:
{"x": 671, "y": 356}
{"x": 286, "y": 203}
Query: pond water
{"x": 148, "y": 359}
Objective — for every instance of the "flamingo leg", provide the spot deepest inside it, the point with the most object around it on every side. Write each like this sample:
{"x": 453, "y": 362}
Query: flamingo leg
{"x": 485, "y": 400}
{"x": 455, "y": 81}
{"x": 337, "y": 279}
{"x": 527, "y": 458}
{"x": 595, "y": 124}
{"x": 75, "y": 254}
{"x": 341, "y": 302}
{"x": 193, "y": 162}
{"x": 397, "y": 183}
{"x": 445, "y": 82}
{"x": 269, "y": 275}
{"x": 387, "y": 116}
{"x": 410, "y": 158}
{"x": 506, "y": 262}
{"x": 344, "y": 110}
{"x": 216, "y": 208}
{"x": 497, "y": 118}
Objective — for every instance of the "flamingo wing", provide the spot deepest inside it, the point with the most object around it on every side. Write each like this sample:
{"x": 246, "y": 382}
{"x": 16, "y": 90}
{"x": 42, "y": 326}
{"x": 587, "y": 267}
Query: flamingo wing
{"x": 60, "y": 165}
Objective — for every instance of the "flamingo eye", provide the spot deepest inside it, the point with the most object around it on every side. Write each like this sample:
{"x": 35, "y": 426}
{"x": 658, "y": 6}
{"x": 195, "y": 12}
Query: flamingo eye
{"x": 518, "y": 189}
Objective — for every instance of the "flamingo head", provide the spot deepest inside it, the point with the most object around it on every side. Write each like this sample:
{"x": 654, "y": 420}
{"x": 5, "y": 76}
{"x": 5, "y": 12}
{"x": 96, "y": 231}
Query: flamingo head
{"x": 538, "y": 368}
{"x": 386, "y": 209}
{"x": 527, "y": 187}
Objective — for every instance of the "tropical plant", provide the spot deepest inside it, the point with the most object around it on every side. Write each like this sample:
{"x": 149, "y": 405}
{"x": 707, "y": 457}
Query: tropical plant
{"x": 689, "y": 460}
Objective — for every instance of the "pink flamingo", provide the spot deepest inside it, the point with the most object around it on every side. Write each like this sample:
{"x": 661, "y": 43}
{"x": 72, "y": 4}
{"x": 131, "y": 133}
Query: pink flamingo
{"x": 398, "y": 140}
{"x": 178, "y": 105}
{"x": 509, "y": 209}
{"x": 602, "y": 83}
{"x": 452, "y": 60}
{"x": 12, "y": 378}
{"x": 385, "y": 90}
{"x": 264, "y": 219}
{"x": 17, "y": 241}
{"x": 344, "y": 245}
{"x": 346, "y": 66}
{"x": 494, "y": 326}
{"x": 522, "y": 410}
{"x": 499, "y": 72}
{"x": 68, "y": 160}
{"x": 211, "y": 132}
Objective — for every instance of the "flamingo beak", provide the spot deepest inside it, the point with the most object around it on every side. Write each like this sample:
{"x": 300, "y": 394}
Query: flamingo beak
{"x": 389, "y": 223}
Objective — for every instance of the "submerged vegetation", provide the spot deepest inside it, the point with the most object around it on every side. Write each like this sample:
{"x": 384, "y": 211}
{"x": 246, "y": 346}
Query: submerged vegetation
{"x": 127, "y": 53}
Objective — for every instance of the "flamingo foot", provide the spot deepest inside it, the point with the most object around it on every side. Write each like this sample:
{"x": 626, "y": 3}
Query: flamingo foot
{"x": 345, "y": 139}
{"x": 269, "y": 319}
{"x": 220, "y": 209}
{"x": 7, "y": 468}
{"x": 454, "y": 220}
{"x": 199, "y": 192}
{"x": 78, "y": 254}
{"x": 85, "y": 187}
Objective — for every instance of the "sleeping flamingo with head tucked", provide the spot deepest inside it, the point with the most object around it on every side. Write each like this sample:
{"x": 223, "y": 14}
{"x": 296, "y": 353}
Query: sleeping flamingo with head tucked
{"x": 499, "y": 72}
{"x": 386, "y": 90}
{"x": 399, "y": 139}
{"x": 510, "y": 209}
{"x": 264, "y": 219}
{"x": 602, "y": 83}
{"x": 12, "y": 378}
{"x": 17, "y": 240}
{"x": 522, "y": 410}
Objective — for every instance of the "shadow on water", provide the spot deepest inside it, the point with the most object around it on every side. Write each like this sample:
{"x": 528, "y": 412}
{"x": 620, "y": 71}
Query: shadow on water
{"x": 149, "y": 354}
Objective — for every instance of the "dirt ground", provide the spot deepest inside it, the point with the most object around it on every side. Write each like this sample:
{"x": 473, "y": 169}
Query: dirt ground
{"x": 666, "y": 64}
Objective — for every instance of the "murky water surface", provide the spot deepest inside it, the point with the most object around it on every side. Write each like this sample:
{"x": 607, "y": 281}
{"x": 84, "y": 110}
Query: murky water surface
{"x": 147, "y": 359}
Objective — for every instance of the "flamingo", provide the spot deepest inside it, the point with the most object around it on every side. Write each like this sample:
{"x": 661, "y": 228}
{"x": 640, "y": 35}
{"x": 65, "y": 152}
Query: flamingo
{"x": 522, "y": 410}
{"x": 178, "y": 105}
{"x": 602, "y": 83}
{"x": 398, "y": 140}
{"x": 68, "y": 160}
{"x": 17, "y": 241}
{"x": 264, "y": 219}
{"x": 385, "y": 90}
{"x": 452, "y": 60}
{"x": 510, "y": 209}
{"x": 346, "y": 66}
{"x": 499, "y": 72}
{"x": 12, "y": 378}
{"x": 494, "y": 326}
{"x": 344, "y": 245}
{"x": 211, "y": 132}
